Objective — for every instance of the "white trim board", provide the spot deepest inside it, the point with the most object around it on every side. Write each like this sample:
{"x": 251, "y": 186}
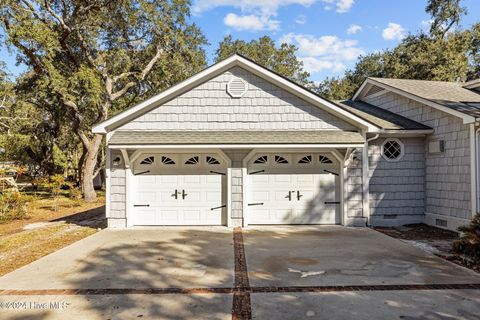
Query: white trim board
{"x": 216, "y": 69}
{"x": 368, "y": 82}
{"x": 235, "y": 146}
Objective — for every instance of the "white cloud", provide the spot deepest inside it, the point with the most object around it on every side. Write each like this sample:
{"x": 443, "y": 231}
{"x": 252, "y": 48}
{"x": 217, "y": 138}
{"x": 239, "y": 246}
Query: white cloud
{"x": 265, "y": 6}
{"x": 354, "y": 28}
{"x": 325, "y": 52}
{"x": 344, "y": 5}
{"x": 255, "y": 12}
{"x": 394, "y": 31}
{"x": 301, "y": 19}
{"x": 250, "y": 22}
{"x": 341, "y": 6}
{"x": 314, "y": 65}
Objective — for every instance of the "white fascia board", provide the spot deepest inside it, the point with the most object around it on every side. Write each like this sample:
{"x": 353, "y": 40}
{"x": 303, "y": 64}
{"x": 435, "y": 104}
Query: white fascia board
{"x": 360, "y": 90}
{"x": 465, "y": 117}
{"x": 235, "y": 146}
{"x": 306, "y": 95}
{"x": 224, "y": 65}
{"x": 164, "y": 96}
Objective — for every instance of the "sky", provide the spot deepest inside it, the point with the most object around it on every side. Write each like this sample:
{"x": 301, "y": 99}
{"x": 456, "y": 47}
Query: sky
{"x": 329, "y": 34}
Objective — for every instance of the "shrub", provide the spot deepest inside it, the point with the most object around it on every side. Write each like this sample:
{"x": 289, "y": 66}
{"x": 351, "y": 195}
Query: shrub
{"x": 74, "y": 192}
{"x": 13, "y": 206}
{"x": 469, "y": 243}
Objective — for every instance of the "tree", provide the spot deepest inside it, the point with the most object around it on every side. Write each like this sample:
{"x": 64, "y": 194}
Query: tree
{"x": 90, "y": 58}
{"x": 263, "y": 51}
{"x": 445, "y": 14}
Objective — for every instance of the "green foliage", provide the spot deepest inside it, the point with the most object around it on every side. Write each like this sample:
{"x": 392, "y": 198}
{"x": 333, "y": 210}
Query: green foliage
{"x": 281, "y": 60}
{"x": 89, "y": 59}
{"x": 451, "y": 58}
{"x": 442, "y": 55}
{"x": 13, "y": 206}
{"x": 445, "y": 14}
{"x": 469, "y": 243}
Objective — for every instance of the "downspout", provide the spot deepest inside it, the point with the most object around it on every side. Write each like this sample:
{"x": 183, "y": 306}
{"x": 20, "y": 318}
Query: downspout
{"x": 366, "y": 178}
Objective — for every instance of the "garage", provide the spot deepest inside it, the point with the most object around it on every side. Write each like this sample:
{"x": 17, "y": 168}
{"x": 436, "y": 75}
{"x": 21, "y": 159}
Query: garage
{"x": 179, "y": 189}
{"x": 297, "y": 188}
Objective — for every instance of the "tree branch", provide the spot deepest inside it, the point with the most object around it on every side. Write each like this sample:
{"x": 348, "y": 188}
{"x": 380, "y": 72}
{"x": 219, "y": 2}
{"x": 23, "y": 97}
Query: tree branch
{"x": 140, "y": 76}
{"x": 56, "y": 16}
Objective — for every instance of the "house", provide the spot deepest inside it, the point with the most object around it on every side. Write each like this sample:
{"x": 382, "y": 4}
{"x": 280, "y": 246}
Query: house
{"x": 238, "y": 145}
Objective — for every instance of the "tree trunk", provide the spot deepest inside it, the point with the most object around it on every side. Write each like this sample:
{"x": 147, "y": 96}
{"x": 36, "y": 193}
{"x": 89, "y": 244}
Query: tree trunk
{"x": 88, "y": 168}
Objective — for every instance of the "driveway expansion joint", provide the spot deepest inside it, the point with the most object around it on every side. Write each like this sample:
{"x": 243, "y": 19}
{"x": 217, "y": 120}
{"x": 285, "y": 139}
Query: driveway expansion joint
{"x": 243, "y": 290}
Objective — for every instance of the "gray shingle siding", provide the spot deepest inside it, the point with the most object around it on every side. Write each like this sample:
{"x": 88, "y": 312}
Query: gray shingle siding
{"x": 237, "y": 182}
{"x": 263, "y": 107}
{"x": 354, "y": 188}
{"x": 397, "y": 189}
{"x": 117, "y": 189}
{"x": 447, "y": 175}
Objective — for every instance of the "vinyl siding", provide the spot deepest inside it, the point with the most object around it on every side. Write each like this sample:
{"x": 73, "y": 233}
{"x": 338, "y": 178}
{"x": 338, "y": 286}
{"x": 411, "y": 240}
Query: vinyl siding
{"x": 397, "y": 188}
{"x": 263, "y": 107}
{"x": 447, "y": 175}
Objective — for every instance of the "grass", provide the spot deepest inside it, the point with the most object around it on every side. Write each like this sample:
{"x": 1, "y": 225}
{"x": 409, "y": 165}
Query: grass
{"x": 19, "y": 246}
{"x": 44, "y": 208}
{"x": 19, "y": 249}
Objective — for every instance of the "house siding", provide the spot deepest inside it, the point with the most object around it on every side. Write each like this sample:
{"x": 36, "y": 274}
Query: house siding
{"x": 447, "y": 175}
{"x": 263, "y": 107}
{"x": 354, "y": 188}
{"x": 237, "y": 156}
{"x": 397, "y": 188}
{"x": 117, "y": 214}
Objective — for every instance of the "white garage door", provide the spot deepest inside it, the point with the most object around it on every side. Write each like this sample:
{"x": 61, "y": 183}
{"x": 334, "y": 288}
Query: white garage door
{"x": 289, "y": 192}
{"x": 182, "y": 191}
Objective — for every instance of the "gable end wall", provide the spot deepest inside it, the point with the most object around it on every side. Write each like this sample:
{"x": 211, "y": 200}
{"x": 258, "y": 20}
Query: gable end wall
{"x": 263, "y": 107}
{"x": 447, "y": 175}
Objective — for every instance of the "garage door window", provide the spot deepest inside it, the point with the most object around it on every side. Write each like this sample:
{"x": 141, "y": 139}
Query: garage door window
{"x": 148, "y": 160}
{"x": 261, "y": 160}
{"x": 305, "y": 160}
{"x": 280, "y": 160}
{"x": 167, "y": 161}
{"x": 192, "y": 161}
{"x": 211, "y": 160}
{"x": 324, "y": 159}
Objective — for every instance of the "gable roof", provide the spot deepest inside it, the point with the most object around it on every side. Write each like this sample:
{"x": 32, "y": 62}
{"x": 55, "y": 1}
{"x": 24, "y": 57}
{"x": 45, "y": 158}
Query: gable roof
{"x": 450, "y": 97}
{"x": 383, "y": 118}
{"x": 218, "y": 68}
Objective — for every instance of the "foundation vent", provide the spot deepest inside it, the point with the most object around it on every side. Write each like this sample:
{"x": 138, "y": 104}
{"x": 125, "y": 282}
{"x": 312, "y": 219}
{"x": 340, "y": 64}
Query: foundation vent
{"x": 390, "y": 216}
{"x": 441, "y": 222}
{"x": 237, "y": 87}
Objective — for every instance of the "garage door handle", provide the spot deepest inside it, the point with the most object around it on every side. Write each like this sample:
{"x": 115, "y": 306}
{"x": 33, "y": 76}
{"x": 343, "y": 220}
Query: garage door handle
{"x": 289, "y": 196}
{"x": 175, "y": 194}
{"x": 184, "y": 194}
{"x": 332, "y": 202}
{"x": 218, "y": 207}
{"x": 256, "y": 204}
{"x": 331, "y": 172}
{"x": 141, "y": 205}
{"x": 299, "y": 195}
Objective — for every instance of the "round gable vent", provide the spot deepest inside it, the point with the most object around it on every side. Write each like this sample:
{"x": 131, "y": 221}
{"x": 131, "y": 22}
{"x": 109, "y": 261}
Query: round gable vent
{"x": 237, "y": 87}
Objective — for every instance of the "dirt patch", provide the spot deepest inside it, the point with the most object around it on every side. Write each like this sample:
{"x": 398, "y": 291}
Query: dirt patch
{"x": 418, "y": 232}
{"x": 430, "y": 239}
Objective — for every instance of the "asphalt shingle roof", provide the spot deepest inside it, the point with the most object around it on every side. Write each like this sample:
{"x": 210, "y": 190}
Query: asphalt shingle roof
{"x": 234, "y": 137}
{"x": 449, "y": 94}
{"x": 380, "y": 117}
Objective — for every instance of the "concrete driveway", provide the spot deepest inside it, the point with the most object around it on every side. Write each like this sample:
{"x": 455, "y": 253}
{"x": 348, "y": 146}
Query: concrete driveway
{"x": 261, "y": 273}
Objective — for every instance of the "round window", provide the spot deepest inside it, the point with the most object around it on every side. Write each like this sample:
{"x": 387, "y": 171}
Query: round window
{"x": 392, "y": 149}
